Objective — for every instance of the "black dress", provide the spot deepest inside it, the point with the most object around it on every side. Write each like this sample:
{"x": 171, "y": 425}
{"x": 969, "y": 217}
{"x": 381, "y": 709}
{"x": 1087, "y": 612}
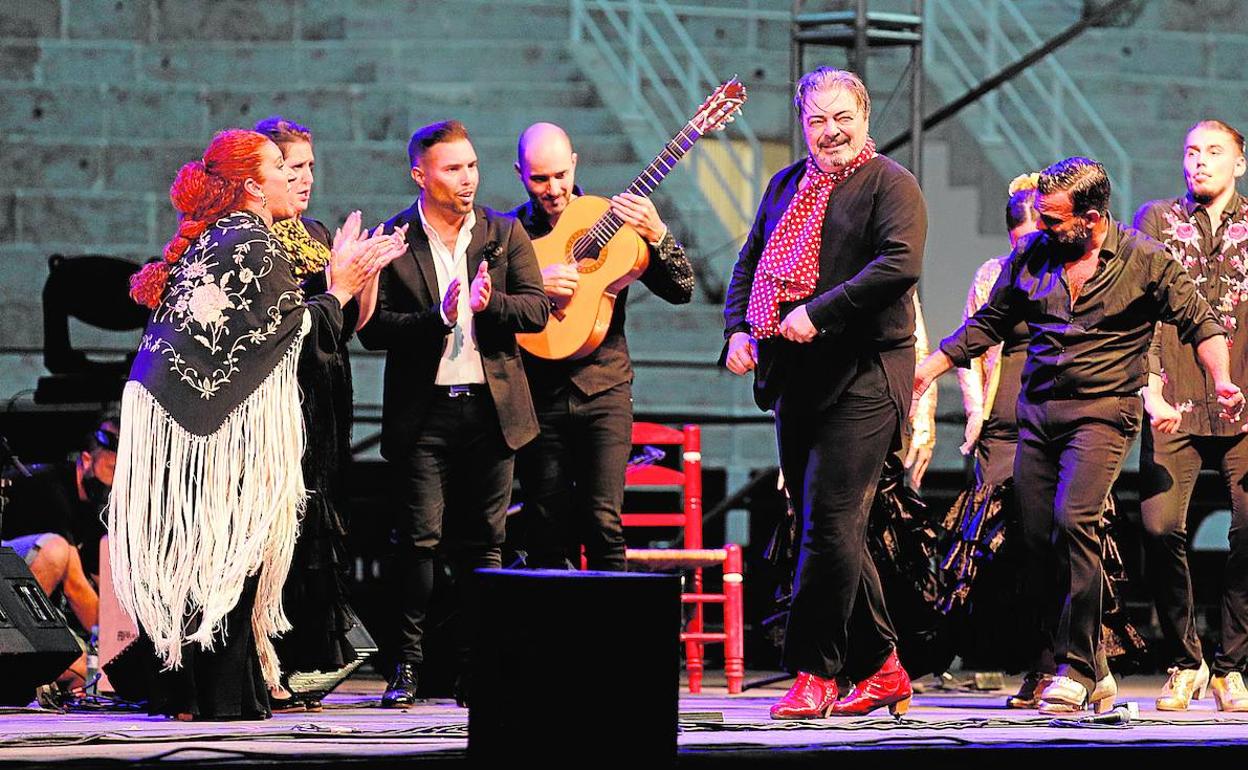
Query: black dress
{"x": 315, "y": 593}
{"x": 224, "y": 684}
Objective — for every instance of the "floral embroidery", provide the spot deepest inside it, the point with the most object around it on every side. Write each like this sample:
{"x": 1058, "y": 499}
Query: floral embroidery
{"x": 1226, "y": 288}
{"x": 1187, "y": 234}
{"x": 206, "y": 303}
{"x": 1236, "y": 233}
{"x": 200, "y": 305}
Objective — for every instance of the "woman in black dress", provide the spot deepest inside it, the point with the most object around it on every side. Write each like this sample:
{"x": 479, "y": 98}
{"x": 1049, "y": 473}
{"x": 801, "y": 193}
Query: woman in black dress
{"x": 315, "y": 594}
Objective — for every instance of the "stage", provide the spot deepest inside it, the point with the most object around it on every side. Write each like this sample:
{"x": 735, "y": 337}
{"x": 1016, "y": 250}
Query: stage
{"x": 943, "y": 728}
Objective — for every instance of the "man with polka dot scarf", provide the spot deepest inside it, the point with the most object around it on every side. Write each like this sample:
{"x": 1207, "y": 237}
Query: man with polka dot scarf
{"x": 820, "y": 307}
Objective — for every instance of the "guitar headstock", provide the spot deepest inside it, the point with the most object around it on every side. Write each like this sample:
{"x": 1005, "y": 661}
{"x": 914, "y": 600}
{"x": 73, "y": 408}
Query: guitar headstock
{"x": 720, "y": 107}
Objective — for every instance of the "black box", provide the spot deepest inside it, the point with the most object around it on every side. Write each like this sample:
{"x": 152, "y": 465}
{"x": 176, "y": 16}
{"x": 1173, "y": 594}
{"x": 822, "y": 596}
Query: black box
{"x": 570, "y": 666}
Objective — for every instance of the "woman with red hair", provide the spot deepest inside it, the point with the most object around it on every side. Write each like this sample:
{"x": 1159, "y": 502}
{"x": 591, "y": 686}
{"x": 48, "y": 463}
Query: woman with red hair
{"x": 208, "y": 486}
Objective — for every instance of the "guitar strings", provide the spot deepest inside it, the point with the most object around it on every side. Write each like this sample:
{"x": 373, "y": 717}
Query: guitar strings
{"x": 645, "y": 183}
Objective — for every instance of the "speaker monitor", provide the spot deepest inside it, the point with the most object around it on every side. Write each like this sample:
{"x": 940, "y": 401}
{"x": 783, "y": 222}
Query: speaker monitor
{"x": 35, "y": 644}
{"x": 570, "y": 665}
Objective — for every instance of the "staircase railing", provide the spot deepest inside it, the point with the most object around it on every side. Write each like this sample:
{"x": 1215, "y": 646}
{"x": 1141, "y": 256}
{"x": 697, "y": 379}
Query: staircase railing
{"x": 1041, "y": 115}
{"x": 663, "y": 76}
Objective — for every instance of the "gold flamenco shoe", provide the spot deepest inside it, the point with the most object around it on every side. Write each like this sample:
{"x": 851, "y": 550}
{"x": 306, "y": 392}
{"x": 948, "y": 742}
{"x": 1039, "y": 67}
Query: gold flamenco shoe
{"x": 1066, "y": 696}
{"x": 1183, "y": 685}
{"x": 1229, "y": 692}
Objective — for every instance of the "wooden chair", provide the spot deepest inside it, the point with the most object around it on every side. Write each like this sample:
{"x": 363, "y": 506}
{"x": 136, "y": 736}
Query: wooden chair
{"x": 687, "y": 483}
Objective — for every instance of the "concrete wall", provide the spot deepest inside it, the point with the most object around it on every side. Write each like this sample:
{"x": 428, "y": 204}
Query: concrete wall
{"x": 102, "y": 101}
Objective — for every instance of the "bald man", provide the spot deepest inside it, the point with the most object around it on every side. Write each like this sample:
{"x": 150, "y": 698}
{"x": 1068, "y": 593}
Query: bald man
{"x": 572, "y": 474}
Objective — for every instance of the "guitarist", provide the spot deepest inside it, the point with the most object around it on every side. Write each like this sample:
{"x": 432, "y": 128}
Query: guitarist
{"x": 572, "y": 474}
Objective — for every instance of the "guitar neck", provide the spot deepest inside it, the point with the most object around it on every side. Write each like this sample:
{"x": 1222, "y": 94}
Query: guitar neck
{"x": 646, "y": 182}
{"x": 665, "y": 161}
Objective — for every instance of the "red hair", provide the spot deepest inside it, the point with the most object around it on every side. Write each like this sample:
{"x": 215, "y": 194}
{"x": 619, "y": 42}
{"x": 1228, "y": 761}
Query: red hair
{"x": 203, "y": 191}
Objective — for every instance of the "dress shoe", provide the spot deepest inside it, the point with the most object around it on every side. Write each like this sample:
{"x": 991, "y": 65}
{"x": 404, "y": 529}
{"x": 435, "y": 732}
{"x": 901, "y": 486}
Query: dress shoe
{"x": 890, "y": 686}
{"x": 810, "y": 697}
{"x": 1183, "y": 685}
{"x": 401, "y": 691}
{"x": 1229, "y": 692}
{"x": 1028, "y": 695}
{"x": 1066, "y": 696}
{"x": 288, "y": 705}
{"x": 282, "y": 701}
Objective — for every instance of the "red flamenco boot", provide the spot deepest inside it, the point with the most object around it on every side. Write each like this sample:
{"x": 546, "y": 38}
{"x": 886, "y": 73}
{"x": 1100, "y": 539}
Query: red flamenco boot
{"x": 890, "y": 686}
{"x": 810, "y": 697}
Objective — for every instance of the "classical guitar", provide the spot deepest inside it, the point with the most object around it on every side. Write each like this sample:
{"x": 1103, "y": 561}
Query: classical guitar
{"x": 608, "y": 254}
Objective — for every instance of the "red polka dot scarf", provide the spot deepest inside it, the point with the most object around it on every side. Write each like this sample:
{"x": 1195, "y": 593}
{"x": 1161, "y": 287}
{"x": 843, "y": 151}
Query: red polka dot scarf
{"x": 789, "y": 266}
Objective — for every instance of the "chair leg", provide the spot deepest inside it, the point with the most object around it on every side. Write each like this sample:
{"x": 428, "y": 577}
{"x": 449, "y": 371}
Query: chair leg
{"x": 734, "y": 644}
{"x": 694, "y": 665}
{"x": 694, "y": 651}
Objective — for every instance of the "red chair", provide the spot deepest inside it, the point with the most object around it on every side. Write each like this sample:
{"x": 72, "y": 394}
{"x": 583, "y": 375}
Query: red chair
{"x": 687, "y": 482}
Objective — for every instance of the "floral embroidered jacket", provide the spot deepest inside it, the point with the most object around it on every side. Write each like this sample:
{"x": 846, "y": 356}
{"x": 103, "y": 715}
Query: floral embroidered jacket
{"x": 1216, "y": 257}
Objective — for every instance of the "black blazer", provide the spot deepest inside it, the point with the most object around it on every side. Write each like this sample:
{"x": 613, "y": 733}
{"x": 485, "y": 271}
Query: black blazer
{"x": 870, "y": 255}
{"x": 407, "y": 324}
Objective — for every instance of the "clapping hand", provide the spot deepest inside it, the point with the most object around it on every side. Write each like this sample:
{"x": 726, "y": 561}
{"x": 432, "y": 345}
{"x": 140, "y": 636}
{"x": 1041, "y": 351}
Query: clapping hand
{"x": 357, "y": 255}
{"x": 391, "y": 246}
{"x": 481, "y": 290}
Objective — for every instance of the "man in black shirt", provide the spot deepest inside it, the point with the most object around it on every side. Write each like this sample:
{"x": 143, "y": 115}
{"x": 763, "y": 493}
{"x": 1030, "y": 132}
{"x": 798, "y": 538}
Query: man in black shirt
{"x": 821, "y": 309}
{"x": 1090, "y": 292}
{"x": 1206, "y": 231}
{"x": 572, "y": 474}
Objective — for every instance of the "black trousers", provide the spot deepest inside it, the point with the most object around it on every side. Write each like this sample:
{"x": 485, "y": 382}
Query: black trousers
{"x": 572, "y": 477}
{"x": 454, "y": 484}
{"x": 832, "y": 460}
{"x": 1169, "y": 465}
{"x": 1069, "y": 454}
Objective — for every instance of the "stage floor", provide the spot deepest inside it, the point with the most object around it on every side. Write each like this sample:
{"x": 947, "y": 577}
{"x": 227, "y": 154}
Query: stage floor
{"x": 943, "y": 728}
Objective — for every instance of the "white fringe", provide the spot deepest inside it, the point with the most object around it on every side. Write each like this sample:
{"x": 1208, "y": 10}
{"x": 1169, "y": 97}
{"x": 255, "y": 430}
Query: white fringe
{"x": 192, "y": 517}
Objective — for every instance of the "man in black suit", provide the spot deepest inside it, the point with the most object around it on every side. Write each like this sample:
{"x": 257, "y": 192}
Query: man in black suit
{"x": 821, "y": 308}
{"x": 572, "y": 475}
{"x": 456, "y": 405}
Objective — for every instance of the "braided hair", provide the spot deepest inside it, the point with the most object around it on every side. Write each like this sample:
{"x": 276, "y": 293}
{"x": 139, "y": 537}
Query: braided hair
{"x": 203, "y": 191}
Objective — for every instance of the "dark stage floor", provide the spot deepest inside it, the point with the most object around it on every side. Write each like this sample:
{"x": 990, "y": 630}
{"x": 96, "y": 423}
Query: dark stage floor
{"x": 943, "y": 728}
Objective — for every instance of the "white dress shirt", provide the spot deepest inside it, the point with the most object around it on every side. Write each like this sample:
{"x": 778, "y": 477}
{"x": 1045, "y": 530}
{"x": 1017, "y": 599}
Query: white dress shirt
{"x": 461, "y": 360}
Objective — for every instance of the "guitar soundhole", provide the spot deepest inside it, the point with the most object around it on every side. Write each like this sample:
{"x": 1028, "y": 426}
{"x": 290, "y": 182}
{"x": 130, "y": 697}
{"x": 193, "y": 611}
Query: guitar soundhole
{"x": 592, "y": 257}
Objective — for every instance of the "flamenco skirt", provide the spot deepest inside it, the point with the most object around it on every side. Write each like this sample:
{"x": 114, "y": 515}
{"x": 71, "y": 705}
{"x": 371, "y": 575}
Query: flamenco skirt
{"x": 980, "y": 583}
